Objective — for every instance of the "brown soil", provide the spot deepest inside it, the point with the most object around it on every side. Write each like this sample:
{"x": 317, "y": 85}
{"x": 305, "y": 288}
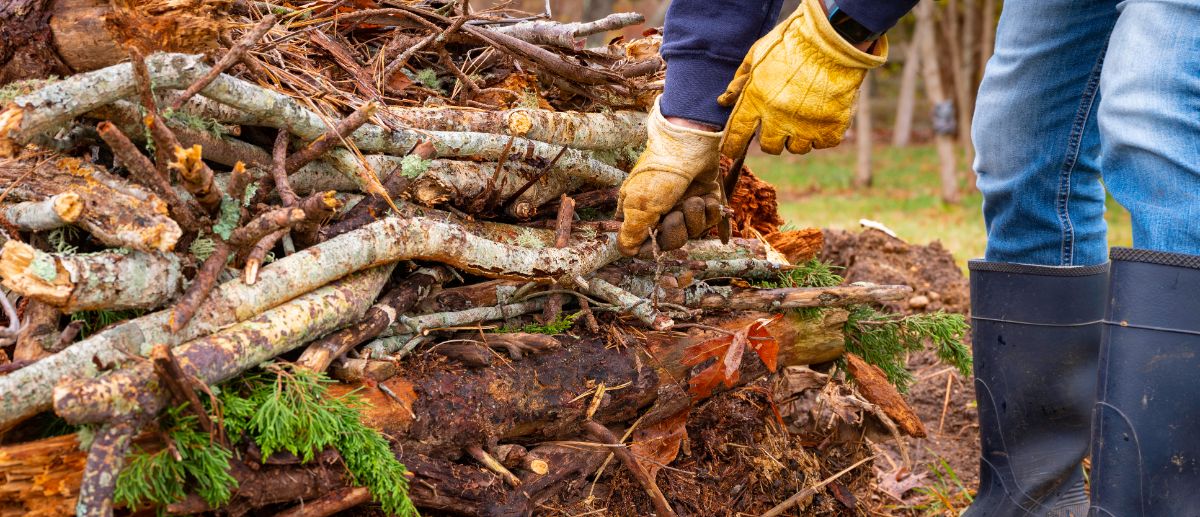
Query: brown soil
{"x": 873, "y": 256}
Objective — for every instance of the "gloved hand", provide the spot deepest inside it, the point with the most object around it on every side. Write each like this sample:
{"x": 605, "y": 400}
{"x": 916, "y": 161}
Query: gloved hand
{"x": 800, "y": 81}
{"x": 675, "y": 180}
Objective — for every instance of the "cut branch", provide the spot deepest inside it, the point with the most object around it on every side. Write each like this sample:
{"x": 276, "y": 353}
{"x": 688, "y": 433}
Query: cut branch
{"x": 567, "y": 35}
{"x": 94, "y": 281}
{"x": 50, "y": 213}
{"x": 231, "y": 57}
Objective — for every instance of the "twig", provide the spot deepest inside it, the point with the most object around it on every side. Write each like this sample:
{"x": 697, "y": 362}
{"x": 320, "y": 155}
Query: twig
{"x": 639, "y": 307}
{"x": 104, "y": 462}
{"x": 146, "y": 174}
{"x": 468, "y": 84}
{"x": 279, "y": 170}
{"x": 537, "y": 177}
{"x": 339, "y": 500}
{"x": 488, "y": 461}
{"x": 333, "y": 136}
{"x": 603, "y": 435}
{"x": 201, "y": 285}
{"x": 235, "y": 53}
{"x": 179, "y": 384}
{"x": 811, "y": 491}
{"x": 946, "y": 401}
{"x": 258, "y": 254}
{"x": 265, "y": 224}
{"x": 68, "y": 334}
{"x": 562, "y": 235}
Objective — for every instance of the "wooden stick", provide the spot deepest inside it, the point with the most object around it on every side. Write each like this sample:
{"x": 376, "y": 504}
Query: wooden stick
{"x": 105, "y": 459}
{"x": 201, "y": 286}
{"x": 488, "y": 461}
{"x": 601, "y": 434}
{"x": 562, "y": 236}
{"x": 332, "y": 137}
{"x": 144, "y": 172}
{"x": 233, "y": 56}
{"x": 279, "y": 170}
{"x": 811, "y": 491}
{"x": 339, "y": 500}
{"x": 179, "y": 384}
{"x": 258, "y": 254}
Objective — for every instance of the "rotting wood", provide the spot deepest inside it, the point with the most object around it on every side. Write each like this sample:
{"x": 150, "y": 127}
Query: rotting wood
{"x": 39, "y": 334}
{"x": 601, "y": 433}
{"x": 145, "y": 172}
{"x": 116, "y": 212}
{"x": 874, "y": 386}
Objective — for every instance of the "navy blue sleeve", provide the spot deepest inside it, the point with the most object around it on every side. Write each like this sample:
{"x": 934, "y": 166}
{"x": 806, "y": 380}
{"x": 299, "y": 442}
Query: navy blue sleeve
{"x": 877, "y": 15}
{"x": 704, "y": 41}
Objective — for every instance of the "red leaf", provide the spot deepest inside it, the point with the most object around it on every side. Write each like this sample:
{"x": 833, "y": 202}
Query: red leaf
{"x": 763, "y": 343}
{"x": 701, "y": 385}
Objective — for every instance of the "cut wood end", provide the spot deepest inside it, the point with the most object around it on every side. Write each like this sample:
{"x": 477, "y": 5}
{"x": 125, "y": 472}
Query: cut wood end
{"x": 330, "y": 200}
{"x": 519, "y": 122}
{"x": 539, "y": 467}
{"x": 68, "y": 206}
{"x": 10, "y": 122}
{"x": 34, "y": 273}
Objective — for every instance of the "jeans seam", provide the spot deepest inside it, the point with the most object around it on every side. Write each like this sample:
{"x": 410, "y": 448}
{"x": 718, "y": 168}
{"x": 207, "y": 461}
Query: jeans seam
{"x": 1074, "y": 141}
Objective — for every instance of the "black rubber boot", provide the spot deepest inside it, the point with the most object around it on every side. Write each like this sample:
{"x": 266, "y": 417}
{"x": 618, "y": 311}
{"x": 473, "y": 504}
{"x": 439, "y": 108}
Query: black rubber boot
{"x": 1036, "y": 338}
{"x": 1146, "y": 434}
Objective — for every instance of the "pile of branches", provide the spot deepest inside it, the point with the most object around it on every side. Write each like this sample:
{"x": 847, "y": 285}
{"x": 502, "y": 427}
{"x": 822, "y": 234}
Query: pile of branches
{"x": 413, "y": 199}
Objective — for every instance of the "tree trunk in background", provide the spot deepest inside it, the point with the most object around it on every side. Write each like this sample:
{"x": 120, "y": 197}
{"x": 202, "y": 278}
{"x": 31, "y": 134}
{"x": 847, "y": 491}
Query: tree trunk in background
{"x": 966, "y": 87}
{"x": 987, "y": 37}
{"x": 907, "y": 98}
{"x": 936, "y": 94}
{"x": 863, "y": 136}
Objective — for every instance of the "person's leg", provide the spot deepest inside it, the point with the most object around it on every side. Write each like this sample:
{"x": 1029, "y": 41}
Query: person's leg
{"x": 1146, "y": 434}
{"x": 1035, "y": 136}
{"x": 1038, "y": 299}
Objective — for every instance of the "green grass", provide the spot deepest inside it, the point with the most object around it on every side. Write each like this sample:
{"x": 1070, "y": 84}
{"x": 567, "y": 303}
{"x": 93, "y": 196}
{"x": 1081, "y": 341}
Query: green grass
{"x": 815, "y": 191}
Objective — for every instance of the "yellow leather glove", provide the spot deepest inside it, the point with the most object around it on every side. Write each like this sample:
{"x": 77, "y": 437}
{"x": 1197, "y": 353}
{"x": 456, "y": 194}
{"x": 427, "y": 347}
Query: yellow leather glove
{"x": 800, "y": 81}
{"x": 675, "y": 177}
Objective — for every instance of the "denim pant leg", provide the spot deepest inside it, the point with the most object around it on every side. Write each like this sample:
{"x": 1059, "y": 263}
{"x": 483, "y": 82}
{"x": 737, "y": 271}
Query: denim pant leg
{"x": 1035, "y": 135}
{"x": 1150, "y": 122}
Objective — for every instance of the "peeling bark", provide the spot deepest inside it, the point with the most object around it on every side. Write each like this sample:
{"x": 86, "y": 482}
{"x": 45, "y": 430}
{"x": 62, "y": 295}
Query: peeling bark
{"x": 92, "y": 281}
{"x": 115, "y": 211}
{"x": 567, "y": 35}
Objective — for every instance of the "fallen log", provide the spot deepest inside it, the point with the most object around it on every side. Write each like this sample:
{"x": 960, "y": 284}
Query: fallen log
{"x": 438, "y": 413}
{"x": 27, "y": 391}
{"x": 116, "y": 212}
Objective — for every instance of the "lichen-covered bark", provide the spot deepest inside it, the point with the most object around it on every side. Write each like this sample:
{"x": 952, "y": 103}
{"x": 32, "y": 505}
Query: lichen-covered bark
{"x": 92, "y": 281}
{"x": 406, "y": 327}
{"x": 115, "y": 211}
{"x": 567, "y": 35}
{"x": 105, "y": 458}
{"x": 589, "y": 131}
{"x": 221, "y": 356}
{"x": 459, "y": 183}
{"x": 641, "y": 308}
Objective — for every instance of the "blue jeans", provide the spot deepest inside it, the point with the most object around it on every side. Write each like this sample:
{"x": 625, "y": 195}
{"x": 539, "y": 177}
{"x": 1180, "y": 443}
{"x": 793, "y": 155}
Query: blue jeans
{"x": 1080, "y": 92}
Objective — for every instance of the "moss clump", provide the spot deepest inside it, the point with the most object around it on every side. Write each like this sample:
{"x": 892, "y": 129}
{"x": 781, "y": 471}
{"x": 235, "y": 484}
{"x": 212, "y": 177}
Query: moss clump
{"x": 560, "y": 325}
{"x": 412, "y": 166}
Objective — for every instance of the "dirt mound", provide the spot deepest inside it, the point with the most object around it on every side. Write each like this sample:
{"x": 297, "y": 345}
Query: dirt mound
{"x": 874, "y": 256}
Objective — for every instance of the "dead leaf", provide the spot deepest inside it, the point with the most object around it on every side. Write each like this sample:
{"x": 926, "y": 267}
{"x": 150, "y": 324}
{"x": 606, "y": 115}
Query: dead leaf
{"x": 658, "y": 444}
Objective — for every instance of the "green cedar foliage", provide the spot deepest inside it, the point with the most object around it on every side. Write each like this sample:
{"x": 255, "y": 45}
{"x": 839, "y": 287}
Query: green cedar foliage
{"x": 884, "y": 339}
{"x": 280, "y": 409}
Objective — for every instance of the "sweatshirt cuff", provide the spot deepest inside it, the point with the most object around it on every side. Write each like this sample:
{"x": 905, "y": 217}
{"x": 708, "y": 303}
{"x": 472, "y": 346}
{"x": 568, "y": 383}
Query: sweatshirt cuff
{"x": 693, "y": 84}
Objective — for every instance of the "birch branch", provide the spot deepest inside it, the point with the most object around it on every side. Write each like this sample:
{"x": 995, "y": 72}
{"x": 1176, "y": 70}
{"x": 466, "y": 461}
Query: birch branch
{"x": 589, "y": 131}
{"x": 407, "y": 328}
{"x": 93, "y": 281}
{"x": 27, "y": 391}
{"x": 50, "y": 213}
{"x": 224, "y": 355}
{"x": 56, "y": 104}
{"x": 567, "y": 35}
{"x": 629, "y": 303}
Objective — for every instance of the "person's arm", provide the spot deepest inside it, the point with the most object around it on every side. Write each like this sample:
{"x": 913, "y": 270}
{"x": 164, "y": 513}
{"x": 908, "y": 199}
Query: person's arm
{"x": 704, "y": 41}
